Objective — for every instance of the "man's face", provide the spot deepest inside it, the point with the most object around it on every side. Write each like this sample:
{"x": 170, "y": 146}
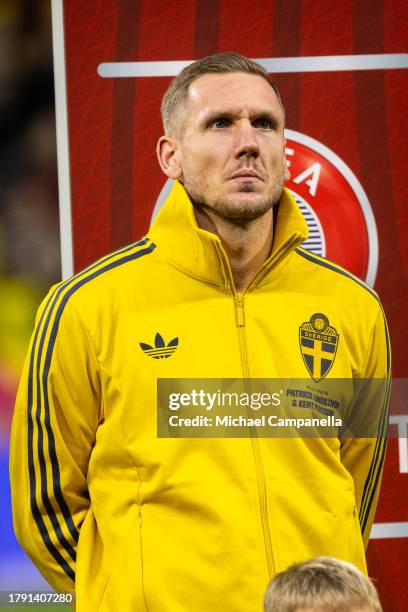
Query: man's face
{"x": 231, "y": 146}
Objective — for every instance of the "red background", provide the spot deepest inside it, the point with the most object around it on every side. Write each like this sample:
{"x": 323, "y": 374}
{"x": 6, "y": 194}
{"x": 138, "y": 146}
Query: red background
{"x": 361, "y": 115}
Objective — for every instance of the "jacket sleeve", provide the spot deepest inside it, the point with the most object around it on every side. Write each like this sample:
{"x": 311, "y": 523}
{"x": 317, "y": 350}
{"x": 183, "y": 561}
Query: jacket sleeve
{"x": 364, "y": 456}
{"x": 54, "y": 426}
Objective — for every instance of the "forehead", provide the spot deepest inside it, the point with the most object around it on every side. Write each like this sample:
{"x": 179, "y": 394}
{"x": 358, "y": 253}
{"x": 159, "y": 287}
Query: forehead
{"x": 235, "y": 91}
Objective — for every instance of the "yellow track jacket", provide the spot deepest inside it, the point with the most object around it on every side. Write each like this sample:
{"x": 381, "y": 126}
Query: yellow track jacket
{"x": 175, "y": 525}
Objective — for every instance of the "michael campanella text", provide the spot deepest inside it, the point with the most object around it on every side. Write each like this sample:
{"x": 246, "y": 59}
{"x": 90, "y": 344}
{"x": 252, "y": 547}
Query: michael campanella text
{"x": 262, "y": 421}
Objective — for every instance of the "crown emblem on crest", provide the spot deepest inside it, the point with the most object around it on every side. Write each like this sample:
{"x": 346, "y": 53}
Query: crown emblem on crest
{"x": 318, "y": 345}
{"x": 160, "y": 350}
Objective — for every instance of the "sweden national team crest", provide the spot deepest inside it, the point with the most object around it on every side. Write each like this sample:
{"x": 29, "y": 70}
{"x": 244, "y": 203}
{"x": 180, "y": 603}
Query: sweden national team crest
{"x": 318, "y": 344}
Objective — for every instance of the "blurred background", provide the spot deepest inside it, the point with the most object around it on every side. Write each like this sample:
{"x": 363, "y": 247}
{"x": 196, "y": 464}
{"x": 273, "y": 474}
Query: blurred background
{"x": 29, "y": 225}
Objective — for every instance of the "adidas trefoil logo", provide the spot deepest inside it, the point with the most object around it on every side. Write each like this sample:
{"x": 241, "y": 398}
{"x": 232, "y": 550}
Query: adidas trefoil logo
{"x": 160, "y": 350}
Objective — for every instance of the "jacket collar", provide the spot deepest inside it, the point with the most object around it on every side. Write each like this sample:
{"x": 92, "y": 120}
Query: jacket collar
{"x": 200, "y": 254}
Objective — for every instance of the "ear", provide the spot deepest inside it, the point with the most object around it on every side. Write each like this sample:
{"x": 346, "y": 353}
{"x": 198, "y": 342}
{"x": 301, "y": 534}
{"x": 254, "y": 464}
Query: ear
{"x": 168, "y": 156}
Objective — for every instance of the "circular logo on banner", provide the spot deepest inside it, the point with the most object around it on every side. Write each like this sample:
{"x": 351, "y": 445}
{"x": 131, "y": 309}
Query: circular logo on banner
{"x": 340, "y": 219}
{"x": 337, "y": 211}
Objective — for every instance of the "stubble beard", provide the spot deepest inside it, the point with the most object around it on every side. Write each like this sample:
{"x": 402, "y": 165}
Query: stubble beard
{"x": 228, "y": 207}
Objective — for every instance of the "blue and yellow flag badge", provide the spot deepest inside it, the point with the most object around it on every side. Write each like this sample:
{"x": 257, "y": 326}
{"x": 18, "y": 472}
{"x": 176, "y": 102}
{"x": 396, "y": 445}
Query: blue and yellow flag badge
{"x": 318, "y": 345}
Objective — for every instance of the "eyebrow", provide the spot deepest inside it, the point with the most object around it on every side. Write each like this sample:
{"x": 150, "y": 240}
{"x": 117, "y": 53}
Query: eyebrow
{"x": 233, "y": 114}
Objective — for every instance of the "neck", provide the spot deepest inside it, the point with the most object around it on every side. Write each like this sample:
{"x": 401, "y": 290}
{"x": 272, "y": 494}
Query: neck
{"x": 247, "y": 243}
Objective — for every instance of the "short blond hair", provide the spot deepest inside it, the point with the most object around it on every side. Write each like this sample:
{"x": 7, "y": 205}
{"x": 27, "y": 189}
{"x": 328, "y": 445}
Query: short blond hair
{"x": 323, "y": 584}
{"x": 174, "y": 100}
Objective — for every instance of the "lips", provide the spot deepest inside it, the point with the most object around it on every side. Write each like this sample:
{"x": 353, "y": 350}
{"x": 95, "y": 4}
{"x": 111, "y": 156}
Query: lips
{"x": 246, "y": 174}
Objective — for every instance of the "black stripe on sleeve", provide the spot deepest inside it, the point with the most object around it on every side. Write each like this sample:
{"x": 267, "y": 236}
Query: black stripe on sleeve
{"x": 71, "y": 285}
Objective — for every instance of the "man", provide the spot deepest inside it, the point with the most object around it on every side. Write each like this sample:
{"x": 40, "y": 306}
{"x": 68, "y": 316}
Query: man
{"x": 322, "y": 584}
{"x": 218, "y": 289}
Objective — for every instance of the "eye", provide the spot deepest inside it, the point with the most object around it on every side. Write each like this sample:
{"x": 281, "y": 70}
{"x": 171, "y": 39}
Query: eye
{"x": 263, "y": 123}
{"x": 219, "y": 123}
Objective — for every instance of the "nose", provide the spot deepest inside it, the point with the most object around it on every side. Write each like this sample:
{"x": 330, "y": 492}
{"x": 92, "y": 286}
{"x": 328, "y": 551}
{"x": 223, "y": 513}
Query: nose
{"x": 246, "y": 141}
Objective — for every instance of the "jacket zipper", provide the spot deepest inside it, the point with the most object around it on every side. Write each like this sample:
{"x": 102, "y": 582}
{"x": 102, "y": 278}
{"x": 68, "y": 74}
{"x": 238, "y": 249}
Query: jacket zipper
{"x": 240, "y": 320}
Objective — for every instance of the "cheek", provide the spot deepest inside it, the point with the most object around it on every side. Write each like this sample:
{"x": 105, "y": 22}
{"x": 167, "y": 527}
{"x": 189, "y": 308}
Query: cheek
{"x": 214, "y": 151}
{"x": 205, "y": 167}
{"x": 207, "y": 160}
{"x": 277, "y": 162}
{"x": 197, "y": 158}
{"x": 210, "y": 158}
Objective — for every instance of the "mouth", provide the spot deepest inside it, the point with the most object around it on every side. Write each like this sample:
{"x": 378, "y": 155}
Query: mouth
{"x": 246, "y": 176}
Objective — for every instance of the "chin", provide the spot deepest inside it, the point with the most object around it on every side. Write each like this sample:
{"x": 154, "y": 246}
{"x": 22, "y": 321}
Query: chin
{"x": 243, "y": 207}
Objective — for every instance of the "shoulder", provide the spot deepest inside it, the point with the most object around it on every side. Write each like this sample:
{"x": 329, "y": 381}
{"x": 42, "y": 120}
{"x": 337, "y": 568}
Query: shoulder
{"x": 335, "y": 278}
{"x": 102, "y": 281}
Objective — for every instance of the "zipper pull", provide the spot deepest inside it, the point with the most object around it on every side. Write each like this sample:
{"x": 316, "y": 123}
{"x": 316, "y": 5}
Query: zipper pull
{"x": 239, "y": 309}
